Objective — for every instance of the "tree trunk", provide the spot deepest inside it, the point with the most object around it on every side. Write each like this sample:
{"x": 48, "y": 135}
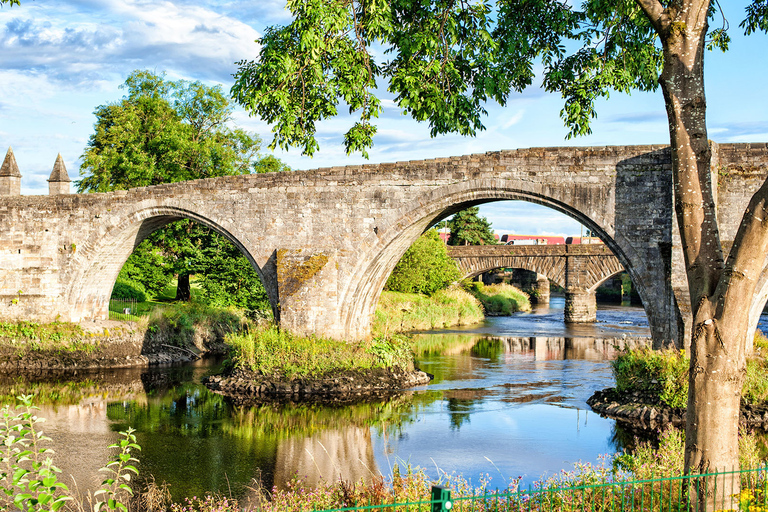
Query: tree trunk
{"x": 718, "y": 334}
{"x": 183, "y": 290}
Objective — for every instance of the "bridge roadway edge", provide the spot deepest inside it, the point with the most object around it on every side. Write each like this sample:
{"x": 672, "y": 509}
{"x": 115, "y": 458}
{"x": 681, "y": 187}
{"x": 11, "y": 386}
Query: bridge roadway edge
{"x": 324, "y": 241}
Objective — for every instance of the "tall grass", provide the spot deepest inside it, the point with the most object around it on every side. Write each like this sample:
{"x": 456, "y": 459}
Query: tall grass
{"x": 273, "y": 352}
{"x": 664, "y": 373}
{"x": 402, "y": 312}
{"x": 500, "y": 299}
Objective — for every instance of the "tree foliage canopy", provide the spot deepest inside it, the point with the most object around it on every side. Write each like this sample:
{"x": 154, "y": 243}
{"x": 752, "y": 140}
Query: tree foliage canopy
{"x": 424, "y": 268}
{"x": 442, "y": 61}
{"x": 469, "y": 228}
{"x": 162, "y": 132}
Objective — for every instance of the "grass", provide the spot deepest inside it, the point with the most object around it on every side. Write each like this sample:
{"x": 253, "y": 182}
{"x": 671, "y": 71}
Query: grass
{"x": 664, "y": 373}
{"x": 500, "y": 299}
{"x": 34, "y": 337}
{"x": 279, "y": 353}
{"x": 403, "y": 312}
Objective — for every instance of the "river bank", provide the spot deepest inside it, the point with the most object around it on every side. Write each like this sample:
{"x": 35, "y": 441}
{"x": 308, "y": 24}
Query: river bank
{"x": 176, "y": 334}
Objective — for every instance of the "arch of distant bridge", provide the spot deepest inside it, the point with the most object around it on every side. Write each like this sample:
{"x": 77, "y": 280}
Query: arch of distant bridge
{"x": 579, "y": 269}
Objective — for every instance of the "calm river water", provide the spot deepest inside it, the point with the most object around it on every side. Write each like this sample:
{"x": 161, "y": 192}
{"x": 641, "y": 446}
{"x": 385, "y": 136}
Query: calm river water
{"x": 508, "y": 399}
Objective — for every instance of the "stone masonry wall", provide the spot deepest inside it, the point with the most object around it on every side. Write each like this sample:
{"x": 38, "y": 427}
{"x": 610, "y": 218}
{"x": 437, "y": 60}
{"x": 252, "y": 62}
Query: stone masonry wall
{"x": 324, "y": 241}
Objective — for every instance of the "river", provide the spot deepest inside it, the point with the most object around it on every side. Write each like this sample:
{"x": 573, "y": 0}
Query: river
{"x": 508, "y": 400}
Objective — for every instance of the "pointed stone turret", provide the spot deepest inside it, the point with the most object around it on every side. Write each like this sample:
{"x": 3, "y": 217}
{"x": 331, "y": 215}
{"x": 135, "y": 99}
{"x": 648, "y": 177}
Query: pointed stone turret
{"x": 10, "y": 177}
{"x": 58, "y": 183}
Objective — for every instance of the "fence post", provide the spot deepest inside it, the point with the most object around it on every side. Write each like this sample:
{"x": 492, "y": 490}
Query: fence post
{"x": 441, "y": 499}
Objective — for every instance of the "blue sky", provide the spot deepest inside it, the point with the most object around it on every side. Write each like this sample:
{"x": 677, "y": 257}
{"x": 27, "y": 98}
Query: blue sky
{"x": 59, "y": 60}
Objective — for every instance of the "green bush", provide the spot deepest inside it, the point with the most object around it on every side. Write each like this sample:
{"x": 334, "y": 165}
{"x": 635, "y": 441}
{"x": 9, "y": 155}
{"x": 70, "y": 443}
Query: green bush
{"x": 424, "y": 268}
{"x": 127, "y": 289}
{"x": 663, "y": 373}
{"x": 146, "y": 266}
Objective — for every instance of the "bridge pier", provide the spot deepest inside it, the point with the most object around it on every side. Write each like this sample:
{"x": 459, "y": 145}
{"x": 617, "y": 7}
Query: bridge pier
{"x": 541, "y": 290}
{"x": 580, "y": 306}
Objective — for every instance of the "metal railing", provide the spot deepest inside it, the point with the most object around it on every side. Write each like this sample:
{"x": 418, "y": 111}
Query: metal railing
{"x": 127, "y": 309}
{"x": 744, "y": 490}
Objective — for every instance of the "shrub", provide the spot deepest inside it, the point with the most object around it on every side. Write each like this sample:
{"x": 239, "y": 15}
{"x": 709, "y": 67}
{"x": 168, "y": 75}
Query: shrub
{"x": 424, "y": 268}
{"x": 126, "y": 289}
{"x": 663, "y": 373}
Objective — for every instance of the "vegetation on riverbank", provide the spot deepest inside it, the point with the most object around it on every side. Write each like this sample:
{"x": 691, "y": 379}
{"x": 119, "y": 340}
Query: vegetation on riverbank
{"x": 500, "y": 299}
{"x": 273, "y": 352}
{"x": 402, "y": 312}
{"x": 122, "y": 490}
{"x": 664, "y": 374}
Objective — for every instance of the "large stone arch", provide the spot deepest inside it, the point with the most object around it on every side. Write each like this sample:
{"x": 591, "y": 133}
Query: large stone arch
{"x": 99, "y": 260}
{"x": 391, "y": 240}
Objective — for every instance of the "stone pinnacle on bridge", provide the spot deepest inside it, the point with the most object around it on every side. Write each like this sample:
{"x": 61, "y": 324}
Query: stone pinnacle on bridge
{"x": 10, "y": 177}
{"x": 58, "y": 183}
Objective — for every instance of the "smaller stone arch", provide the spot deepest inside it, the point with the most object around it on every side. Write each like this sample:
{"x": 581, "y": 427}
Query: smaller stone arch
{"x": 577, "y": 269}
{"x": 99, "y": 260}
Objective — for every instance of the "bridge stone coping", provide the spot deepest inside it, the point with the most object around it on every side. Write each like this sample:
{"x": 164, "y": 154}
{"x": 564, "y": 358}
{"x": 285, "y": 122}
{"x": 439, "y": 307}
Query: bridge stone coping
{"x": 65, "y": 251}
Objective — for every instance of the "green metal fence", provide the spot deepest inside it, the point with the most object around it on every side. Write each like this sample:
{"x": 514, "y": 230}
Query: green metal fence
{"x": 744, "y": 490}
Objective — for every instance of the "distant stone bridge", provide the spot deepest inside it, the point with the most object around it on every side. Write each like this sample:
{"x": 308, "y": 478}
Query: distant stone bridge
{"x": 580, "y": 269}
{"x": 325, "y": 241}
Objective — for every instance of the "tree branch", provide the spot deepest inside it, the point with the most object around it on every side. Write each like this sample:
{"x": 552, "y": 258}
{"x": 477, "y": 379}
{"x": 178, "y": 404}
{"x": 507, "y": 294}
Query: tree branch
{"x": 747, "y": 257}
{"x": 655, "y": 12}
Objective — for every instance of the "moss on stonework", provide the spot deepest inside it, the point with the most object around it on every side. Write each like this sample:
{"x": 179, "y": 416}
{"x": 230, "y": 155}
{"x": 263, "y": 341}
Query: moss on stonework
{"x": 293, "y": 274}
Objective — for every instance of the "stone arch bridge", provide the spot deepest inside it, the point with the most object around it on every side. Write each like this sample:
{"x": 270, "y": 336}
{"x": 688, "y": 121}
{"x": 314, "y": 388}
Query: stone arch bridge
{"x": 579, "y": 269}
{"x": 324, "y": 241}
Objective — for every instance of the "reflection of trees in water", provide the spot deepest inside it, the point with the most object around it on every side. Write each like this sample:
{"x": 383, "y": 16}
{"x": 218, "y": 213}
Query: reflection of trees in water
{"x": 197, "y": 441}
{"x": 459, "y": 411}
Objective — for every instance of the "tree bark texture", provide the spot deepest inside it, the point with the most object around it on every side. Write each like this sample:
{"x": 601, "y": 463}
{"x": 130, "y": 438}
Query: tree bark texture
{"x": 720, "y": 291}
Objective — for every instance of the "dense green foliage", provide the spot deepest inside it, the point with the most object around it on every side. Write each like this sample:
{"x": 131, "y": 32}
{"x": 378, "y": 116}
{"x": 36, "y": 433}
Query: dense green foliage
{"x": 127, "y": 289}
{"x": 162, "y": 132}
{"x": 665, "y": 374}
{"x": 402, "y": 312}
{"x": 444, "y": 60}
{"x": 424, "y": 268}
{"x": 469, "y": 228}
{"x": 275, "y": 352}
{"x": 500, "y": 299}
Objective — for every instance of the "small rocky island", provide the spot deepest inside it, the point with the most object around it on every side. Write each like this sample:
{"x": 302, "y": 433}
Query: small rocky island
{"x": 245, "y": 386}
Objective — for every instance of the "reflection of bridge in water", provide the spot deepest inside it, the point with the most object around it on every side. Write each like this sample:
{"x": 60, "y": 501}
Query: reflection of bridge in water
{"x": 590, "y": 349}
{"x": 579, "y": 269}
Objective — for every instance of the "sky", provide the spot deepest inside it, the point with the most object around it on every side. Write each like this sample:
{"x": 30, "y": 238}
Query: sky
{"x": 59, "y": 60}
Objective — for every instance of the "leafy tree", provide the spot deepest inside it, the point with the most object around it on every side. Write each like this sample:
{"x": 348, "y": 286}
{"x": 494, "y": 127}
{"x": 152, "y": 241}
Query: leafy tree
{"x": 161, "y": 132}
{"x": 468, "y": 228}
{"x": 229, "y": 278}
{"x": 447, "y": 58}
{"x": 146, "y": 265}
{"x": 424, "y": 268}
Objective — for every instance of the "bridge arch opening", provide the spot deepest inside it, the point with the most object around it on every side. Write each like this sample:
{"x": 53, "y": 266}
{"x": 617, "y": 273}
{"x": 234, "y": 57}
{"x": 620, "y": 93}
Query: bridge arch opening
{"x": 394, "y": 240}
{"x": 102, "y": 257}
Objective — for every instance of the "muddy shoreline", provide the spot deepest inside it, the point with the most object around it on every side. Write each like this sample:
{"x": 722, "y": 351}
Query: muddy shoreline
{"x": 102, "y": 345}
